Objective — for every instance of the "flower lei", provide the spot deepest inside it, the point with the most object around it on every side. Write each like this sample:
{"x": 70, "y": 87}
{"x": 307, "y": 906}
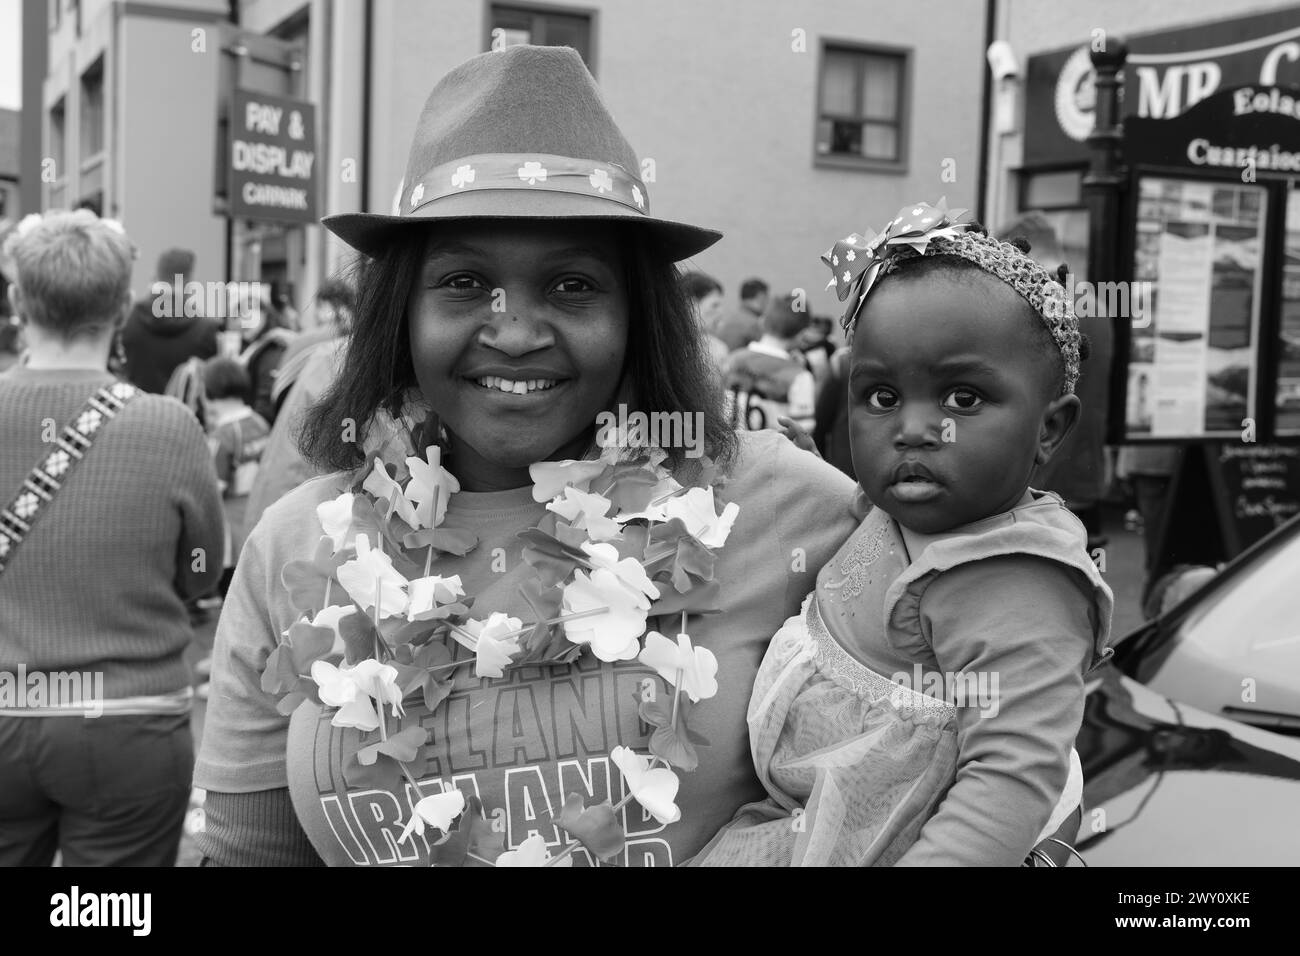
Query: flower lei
{"x": 378, "y": 626}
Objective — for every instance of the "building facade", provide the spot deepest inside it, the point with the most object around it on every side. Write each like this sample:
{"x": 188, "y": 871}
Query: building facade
{"x": 10, "y": 140}
{"x": 129, "y": 109}
{"x": 782, "y": 124}
{"x": 1198, "y": 342}
{"x": 1178, "y": 54}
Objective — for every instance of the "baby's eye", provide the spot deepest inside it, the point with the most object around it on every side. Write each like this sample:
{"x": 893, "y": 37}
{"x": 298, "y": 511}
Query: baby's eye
{"x": 881, "y": 399}
{"x": 964, "y": 399}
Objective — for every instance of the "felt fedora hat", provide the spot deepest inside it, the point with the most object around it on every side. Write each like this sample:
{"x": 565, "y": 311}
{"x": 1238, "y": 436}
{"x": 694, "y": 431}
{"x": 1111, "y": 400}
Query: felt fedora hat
{"x": 521, "y": 133}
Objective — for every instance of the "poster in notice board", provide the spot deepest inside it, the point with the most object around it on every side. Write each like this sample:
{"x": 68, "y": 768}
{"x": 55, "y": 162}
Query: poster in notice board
{"x": 1223, "y": 498}
{"x": 1257, "y": 489}
{"x": 1192, "y": 366}
{"x": 1288, "y": 372}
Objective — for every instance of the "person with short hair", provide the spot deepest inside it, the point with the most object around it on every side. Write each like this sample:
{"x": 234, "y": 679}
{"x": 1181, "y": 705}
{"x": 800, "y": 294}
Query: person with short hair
{"x": 306, "y": 372}
{"x": 158, "y": 334}
{"x": 95, "y": 572}
{"x": 705, "y": 294}
{"x": 332, "y": 319}
{"x": 768, "y": 379}
{"x": 815, "y": 344}
{"x": 740, "y": 328}
{"x": 264, "y": 341}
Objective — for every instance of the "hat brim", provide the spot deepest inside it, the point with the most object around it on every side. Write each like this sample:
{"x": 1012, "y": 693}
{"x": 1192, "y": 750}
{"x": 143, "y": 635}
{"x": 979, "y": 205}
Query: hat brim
{"x": 371, "y": 233}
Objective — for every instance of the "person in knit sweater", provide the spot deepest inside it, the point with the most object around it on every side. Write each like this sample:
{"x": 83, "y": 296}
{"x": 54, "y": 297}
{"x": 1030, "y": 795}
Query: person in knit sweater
{"x": 98, "y": 584}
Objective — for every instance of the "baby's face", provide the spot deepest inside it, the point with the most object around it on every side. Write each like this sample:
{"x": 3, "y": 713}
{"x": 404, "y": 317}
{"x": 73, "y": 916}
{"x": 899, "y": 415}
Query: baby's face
{"x": 950, "y": 402}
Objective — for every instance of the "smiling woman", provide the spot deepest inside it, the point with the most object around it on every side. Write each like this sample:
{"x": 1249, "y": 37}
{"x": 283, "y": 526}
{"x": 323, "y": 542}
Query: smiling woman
{"x": 465, "y": 302}
{"x": 523, "y": 296}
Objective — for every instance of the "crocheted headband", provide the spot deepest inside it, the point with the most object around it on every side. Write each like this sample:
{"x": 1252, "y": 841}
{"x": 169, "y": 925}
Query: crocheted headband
{"x": 857, "y": 263}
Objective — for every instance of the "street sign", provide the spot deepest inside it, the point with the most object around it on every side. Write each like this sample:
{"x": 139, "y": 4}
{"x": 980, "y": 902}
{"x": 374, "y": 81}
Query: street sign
{"x": 273, "y": 171}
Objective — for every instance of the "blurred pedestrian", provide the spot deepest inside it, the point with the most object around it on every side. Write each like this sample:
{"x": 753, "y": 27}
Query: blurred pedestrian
{"x": 10, "y": 341}
{"x": 769, "y": 378}
{"x": 237, "y": 436}
{"x": 94, "y": 570}
{"x": 331, "y": 321}
{"x": 831, "y": 432}
{"x": 705, "y": 294}
{"x": 264, "y": 341}
{"x": 1149, "y": 469}
{"x": 738, "y": 329}
{"x": 817, "y": 348}
{"x": 310, "y": 365}
{"x": 282, "y": 299}
{"x": 159, "y": 334}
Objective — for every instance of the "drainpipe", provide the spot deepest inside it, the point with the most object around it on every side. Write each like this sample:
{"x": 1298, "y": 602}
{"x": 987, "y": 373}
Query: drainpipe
{"x": 986, "y": 113}
{"x": 366, "y": 68}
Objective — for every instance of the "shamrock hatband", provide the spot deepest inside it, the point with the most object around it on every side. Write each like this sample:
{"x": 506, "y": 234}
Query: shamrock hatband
{"x": 530, "y": 171}
{"x": 858, "y": 263}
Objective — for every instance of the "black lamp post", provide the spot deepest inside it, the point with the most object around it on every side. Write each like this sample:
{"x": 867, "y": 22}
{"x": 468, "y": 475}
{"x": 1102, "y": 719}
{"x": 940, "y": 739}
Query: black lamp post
{"x": 1103, "y": 188}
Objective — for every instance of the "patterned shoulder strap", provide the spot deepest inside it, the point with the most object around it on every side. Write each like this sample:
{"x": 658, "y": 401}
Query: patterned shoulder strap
{"x": 52, "y": 471}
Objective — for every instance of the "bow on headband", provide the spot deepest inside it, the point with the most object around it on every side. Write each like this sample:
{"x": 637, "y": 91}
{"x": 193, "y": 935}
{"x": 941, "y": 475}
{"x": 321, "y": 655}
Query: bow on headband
{"x": 855, "y": 262}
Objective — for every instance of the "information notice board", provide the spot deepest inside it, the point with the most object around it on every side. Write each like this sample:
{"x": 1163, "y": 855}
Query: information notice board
{"x": 1212, "y": 238}
{"x": 1224, "y": 497}
{"x": 1193, "y": 362}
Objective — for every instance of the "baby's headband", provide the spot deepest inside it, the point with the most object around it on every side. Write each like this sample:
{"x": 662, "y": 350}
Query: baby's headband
{"x": 858, "y": 263}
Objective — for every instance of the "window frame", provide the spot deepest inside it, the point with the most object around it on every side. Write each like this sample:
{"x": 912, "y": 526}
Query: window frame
{"x": 902, "y": 125}
{"x": 1024, "y": 174}
{"x": 97, "y": 69}
{"x": 590, "y": 14}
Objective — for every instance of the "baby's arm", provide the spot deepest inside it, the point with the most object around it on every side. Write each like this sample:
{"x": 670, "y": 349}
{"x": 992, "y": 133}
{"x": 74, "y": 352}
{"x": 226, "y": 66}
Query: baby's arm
{"x": 1025, "y": 621}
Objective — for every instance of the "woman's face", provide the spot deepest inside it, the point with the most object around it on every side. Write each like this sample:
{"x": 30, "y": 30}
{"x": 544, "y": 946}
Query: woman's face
{"x": 518, "y": 332}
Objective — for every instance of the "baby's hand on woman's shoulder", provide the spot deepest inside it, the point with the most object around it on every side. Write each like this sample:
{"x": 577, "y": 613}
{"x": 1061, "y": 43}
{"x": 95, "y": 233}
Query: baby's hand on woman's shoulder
{"x": 796, "y": 434}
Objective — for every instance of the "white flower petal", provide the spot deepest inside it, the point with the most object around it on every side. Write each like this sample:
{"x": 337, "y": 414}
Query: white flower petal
{"x": 532, "y": 852}
{"x": 336, "y": 518}
{"x": 440, "y": 809}
{"x": 359, "y": 714}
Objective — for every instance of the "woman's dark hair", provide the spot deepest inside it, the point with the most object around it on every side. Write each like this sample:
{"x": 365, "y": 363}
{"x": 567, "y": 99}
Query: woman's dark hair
{"x": 666, "y": 363}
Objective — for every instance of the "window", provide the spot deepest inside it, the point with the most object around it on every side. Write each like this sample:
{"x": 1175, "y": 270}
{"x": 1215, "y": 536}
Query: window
{"x": 860, "y": 106}
{"x": 1051, "y": 189}
{"x": 57, "y": 113}
{"x": 92, "y": 111}
{"x": 511, "y": 25}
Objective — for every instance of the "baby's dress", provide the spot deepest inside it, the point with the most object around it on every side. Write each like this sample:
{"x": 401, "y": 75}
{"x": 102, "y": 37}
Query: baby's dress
{"x": 856, "y": 763}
